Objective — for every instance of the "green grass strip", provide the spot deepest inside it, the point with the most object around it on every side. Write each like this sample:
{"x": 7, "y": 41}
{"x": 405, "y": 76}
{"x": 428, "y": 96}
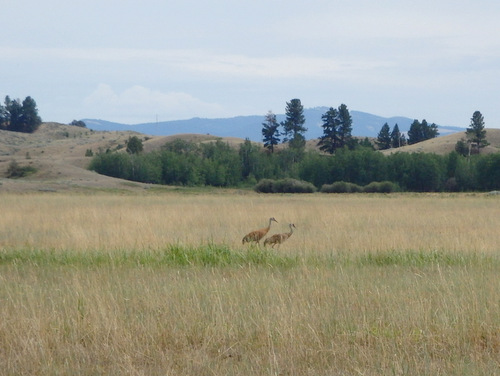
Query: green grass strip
{"x": 220, "y": 256}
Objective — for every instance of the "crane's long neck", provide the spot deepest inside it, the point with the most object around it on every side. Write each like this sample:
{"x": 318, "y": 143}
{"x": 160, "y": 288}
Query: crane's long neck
{"x": 291, "y": 230}
{"x": 269, "y": 226}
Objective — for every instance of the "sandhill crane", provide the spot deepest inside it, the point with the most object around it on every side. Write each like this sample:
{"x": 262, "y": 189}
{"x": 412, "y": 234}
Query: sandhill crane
{"x": 256, "y": 235}
{"x": 279, "y": 238}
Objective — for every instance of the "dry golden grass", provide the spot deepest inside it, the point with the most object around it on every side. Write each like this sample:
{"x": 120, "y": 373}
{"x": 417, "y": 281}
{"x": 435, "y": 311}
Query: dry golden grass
{"x": 325, "y": 223}
{"x": 333, "y": 311}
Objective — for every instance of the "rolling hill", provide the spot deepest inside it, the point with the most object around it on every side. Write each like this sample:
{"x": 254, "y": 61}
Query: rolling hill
{"x": 364, "y": 125}
{"x": 57, "y": 152}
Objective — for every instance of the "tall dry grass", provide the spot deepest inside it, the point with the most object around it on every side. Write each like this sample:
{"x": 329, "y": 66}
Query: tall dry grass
{"x": 325, "y": 223}
{"x": 351, "y": 303}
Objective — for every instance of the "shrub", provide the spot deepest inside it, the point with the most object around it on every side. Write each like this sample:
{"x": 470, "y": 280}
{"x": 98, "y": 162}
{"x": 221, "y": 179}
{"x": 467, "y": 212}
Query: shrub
{"x": 380, "y": 187}
{"x": 341, "y": 187}
{"x": 284, "y": 186}
{"x": 17, "y": 171}
{"x": 264, "y": 186}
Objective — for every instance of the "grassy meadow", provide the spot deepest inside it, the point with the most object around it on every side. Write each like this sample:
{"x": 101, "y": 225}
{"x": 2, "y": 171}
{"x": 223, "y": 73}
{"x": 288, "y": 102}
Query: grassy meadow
{"x": 160, "y": 284}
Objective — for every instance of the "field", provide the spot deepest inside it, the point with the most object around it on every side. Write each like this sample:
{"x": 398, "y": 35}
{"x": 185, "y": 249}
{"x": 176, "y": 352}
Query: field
{"x": 158, "y": 283}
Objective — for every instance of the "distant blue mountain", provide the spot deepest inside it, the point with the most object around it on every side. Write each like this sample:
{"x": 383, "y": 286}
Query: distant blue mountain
{"x": 364, "y": 125}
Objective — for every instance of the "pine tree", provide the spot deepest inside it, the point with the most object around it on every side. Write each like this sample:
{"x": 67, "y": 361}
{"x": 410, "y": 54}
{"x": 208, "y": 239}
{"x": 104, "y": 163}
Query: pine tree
{"x": 429, "y": 131}
{"x": 384, "y": 137}
{"x": 19, "y": 117}
{"x": 270, "y": 132}
{"x": 421, "y": 131}
{"x": 29, "y": 117}
{"x": 330, "y": 141}
{"x": 293, "y": 126}
{"x": 476, "y": 134}
{"x": 396, "y": 137}
{"x": 337, "y": 128}
{"x": 415, "y": 133}
{"x": 345, "y": 125}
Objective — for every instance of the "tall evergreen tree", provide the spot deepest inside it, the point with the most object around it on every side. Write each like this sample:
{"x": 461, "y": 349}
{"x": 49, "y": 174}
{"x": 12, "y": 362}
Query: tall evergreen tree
{"x": 476, "y": 134}
{"x": 421, "y": 131}
{"x": 415, "y": 133}
{"x": 396, "y": 137}
{"x": 293, "y": 126}
{"x": 270, "y": 132}
{"x": 330, "y": 140}
{"x": 29, "y": 117}
{"x": 429, "y": 131}
{"x": 345, "y": 125}
{"x": 21, "y": 117}
{"x": 384, "y": 137}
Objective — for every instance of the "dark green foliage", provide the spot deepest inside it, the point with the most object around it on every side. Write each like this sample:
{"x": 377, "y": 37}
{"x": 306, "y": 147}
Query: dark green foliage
{"x": 341, "y": 187}
{"x": 78, "y": 123}
{"x": 384, "y": 140}
{"x": 417, "y": 172}
{"x": 118, "y": 165}
{"x": 345, "y": 125}
{"x": 462, "y": 147}
{"x": 421, "y": 131}
{"x": 134, "y": 145}
{"x": 337, "y": 129}
{"x": 330, "y": 141}
{"x": 218, "y": 164}
{"x": 293, "y": 126}
{"x": 397, "y": 138}
{"x": 17, "y": 171}
{"x": 20, "y": 117}
{"x": 488, "y": 172}
{"x": 476, "y": 134}
{"x": 380, "y": 187}
{"x": 270, "y": 132}
{"x": 284, "y": 186}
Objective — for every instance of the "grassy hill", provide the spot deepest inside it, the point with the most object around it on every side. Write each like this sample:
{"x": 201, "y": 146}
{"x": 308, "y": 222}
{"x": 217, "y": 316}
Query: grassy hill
{"x": 446, "y": 144}
{"x": 57, "y": 153}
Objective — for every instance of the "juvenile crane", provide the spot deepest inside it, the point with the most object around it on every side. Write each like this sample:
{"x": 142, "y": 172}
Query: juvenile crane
{"x": 279, "y": 238}
{"x": 256, "y": 235}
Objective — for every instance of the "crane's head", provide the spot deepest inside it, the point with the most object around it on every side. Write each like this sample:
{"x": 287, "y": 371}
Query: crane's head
{"x": 272, "y": 219}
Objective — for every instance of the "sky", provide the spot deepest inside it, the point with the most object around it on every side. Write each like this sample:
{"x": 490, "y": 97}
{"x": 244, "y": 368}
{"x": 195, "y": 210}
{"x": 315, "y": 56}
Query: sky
{"x": 151, "y": 60}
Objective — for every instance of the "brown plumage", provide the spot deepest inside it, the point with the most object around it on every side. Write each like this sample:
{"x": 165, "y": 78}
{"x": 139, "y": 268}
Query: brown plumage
{"x": 279, "y": 238}
{"x": 256, "y": 235}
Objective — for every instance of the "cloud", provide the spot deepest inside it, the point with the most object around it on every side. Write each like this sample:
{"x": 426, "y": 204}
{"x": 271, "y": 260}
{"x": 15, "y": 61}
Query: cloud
{"x": 139, "y": 104}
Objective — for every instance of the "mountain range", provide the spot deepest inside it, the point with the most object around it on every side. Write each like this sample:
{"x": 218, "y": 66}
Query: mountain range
{"x": 364, "y": 125}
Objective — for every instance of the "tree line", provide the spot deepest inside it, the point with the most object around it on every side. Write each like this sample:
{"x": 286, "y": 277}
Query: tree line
{"x": 218, "y": 164}
{"x": 340, "y": 158}
{"x": 19, "y": 116}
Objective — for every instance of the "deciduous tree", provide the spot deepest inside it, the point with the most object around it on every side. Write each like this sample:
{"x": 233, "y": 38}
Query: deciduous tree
{"x": 134, "y": 145}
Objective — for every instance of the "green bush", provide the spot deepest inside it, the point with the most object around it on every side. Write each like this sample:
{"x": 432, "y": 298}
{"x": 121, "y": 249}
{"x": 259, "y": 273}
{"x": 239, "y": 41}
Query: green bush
{"x": 17, "y": 171}
{"x": 284, "y": 186}
{"x": 380, "y": 187}
{"x": 341, "y": 187}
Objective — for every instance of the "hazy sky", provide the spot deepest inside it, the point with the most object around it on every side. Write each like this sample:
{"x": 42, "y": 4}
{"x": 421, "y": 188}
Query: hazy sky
{"x": 139, "y": 61}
